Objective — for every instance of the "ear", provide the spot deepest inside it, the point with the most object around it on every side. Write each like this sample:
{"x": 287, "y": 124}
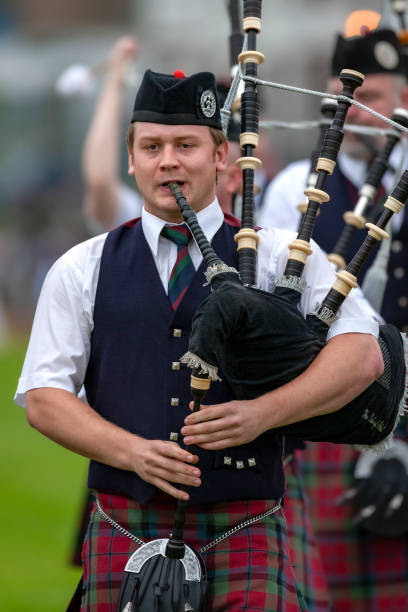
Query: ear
{"x": 221, "y": 155}
{"x": 404, "y": 96}
{"x": 131, "y": 168}
{"x": 234, "y": 179}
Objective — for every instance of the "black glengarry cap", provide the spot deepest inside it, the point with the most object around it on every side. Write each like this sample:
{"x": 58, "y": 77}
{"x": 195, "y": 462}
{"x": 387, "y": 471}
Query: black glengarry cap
{"x": 378, "y": 51}
{"x": 178, "y": 100}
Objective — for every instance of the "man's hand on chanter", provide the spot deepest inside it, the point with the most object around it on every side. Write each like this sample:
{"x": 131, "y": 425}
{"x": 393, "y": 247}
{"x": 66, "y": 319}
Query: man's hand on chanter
{"x": 223, "y": 425}
{"x": 161, "y": 463}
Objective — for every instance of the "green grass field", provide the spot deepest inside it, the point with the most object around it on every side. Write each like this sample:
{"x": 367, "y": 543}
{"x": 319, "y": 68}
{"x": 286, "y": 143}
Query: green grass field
{"x": 42, "y": 488}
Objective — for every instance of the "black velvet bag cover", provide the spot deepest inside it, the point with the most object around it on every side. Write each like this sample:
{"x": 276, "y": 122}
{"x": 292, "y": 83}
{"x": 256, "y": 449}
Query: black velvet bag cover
{"x": 244, "y": 330}
{"x": 262, "y": 341}
{"x": 372, "y": 416}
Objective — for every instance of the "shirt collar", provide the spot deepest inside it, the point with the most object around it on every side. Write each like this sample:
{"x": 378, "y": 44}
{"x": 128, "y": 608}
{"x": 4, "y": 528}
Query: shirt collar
{"x": 209, "y": 218}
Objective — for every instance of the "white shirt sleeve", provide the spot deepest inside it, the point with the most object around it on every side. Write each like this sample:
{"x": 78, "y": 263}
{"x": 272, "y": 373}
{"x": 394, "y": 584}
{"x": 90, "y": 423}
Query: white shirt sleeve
{"x": 354, "y": 314}
{"x": 282, "y": 196}
{"x": 59, "y": 347}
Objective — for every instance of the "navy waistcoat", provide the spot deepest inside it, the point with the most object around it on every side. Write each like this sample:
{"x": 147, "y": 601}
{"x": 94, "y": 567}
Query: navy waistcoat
{"x": 132, "y": 378}
{"x": 329, "y": 224}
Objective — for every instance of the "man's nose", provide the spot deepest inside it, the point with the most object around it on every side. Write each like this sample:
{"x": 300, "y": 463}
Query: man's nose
{"x": 357, "y": 115}
{"x": 168, "y": 158}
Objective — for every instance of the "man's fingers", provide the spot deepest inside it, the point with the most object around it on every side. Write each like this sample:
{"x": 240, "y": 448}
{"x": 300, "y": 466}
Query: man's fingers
{"x": 166, "y": 462}
{"x": 219, "y": 444}
{"x": 173, "y": 451}
{"x": 206, "y": 413}
{"x": 205, "y": 427}
{"x": 165, "y": 486}
{"x": 185, "y": 479}
{"x": 171, "y": 465}
{"x": 204, "y": 438}
{"x": 176, "y": 472}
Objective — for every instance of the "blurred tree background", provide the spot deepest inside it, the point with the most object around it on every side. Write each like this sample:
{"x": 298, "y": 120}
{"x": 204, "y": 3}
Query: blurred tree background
{"x": 41, "y": 208}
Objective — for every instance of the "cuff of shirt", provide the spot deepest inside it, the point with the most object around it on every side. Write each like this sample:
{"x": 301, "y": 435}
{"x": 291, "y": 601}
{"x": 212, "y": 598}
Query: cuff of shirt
{"x": 38, "y": 381}
{"x": 359, "y": 326}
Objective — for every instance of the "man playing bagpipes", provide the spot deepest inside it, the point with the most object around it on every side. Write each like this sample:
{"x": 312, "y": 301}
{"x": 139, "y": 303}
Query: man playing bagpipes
{"x": 108, "y": 202}
{"x": 115, "y": 315}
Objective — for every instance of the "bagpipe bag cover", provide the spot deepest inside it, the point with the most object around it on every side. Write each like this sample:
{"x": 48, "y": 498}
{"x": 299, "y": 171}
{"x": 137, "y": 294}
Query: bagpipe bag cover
{"x": 261, "y": 341}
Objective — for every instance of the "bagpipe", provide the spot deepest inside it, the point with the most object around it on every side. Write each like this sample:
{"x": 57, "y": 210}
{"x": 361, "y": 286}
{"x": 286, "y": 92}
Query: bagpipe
{"x": 259, "y": 339}
{"x": 327, "y": 109}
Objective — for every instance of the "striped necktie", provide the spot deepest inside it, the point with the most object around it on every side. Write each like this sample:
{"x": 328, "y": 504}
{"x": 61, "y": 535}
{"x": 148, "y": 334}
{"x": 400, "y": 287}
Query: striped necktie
{"x": 183, "y": 270}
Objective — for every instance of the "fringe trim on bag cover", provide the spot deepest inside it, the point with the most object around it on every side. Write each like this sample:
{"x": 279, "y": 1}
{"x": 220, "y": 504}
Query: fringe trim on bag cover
{"x": 215, "y": 269}
{"x": 193, "y": 361}
{"x": 380, "y": 447}
{"x": 324, "y": 314}
{"x": 292, "y": 282}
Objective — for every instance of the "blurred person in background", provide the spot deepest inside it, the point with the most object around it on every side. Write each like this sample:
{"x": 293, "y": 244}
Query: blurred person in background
{"x": 378, "y": 55}
{"x": 108, "y": 201}
{"x": 366, "y": 571}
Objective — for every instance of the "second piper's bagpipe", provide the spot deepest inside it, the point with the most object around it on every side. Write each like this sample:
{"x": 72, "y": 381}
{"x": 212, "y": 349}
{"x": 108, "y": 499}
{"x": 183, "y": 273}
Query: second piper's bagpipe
{"x": 261, "y": 340}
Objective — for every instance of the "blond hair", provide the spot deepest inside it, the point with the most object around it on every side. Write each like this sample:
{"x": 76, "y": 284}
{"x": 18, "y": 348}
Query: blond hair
{"x": 218, "y": 137}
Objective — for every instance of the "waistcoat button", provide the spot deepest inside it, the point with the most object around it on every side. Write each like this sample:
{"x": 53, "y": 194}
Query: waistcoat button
{"x": 175, "y": 365}
{"x": 175, "y": 401}
{"x": 177, "y": 333}
{"x": 399, "y": 272}
{"x": 396, "y": 246}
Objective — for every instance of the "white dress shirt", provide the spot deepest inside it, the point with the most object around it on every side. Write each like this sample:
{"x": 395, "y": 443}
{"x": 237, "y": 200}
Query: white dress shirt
{"x": 59, "y": 346}
{"x": 286, "y": 191}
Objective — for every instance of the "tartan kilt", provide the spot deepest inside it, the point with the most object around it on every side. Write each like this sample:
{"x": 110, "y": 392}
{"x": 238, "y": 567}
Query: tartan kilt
{"x": 365, "y": 572}
{"x": 302, "y": 544}
{"x": 249, "y": 571}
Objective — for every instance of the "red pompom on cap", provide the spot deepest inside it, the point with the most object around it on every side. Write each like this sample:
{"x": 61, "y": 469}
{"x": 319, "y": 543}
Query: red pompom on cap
{"x": 179, "y": 74}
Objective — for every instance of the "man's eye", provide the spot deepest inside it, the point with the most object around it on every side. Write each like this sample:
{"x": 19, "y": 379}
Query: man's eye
{"x": 186, "y": 145}
{"x": 152, "y": 147}
{"x": 370, "y": 97}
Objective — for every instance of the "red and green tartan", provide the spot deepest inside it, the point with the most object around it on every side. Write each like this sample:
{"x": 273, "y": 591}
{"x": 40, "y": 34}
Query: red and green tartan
{"x": 249, "y": 571}
{"x": 302, "y": 544}
{"x": 365, "y": 573}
